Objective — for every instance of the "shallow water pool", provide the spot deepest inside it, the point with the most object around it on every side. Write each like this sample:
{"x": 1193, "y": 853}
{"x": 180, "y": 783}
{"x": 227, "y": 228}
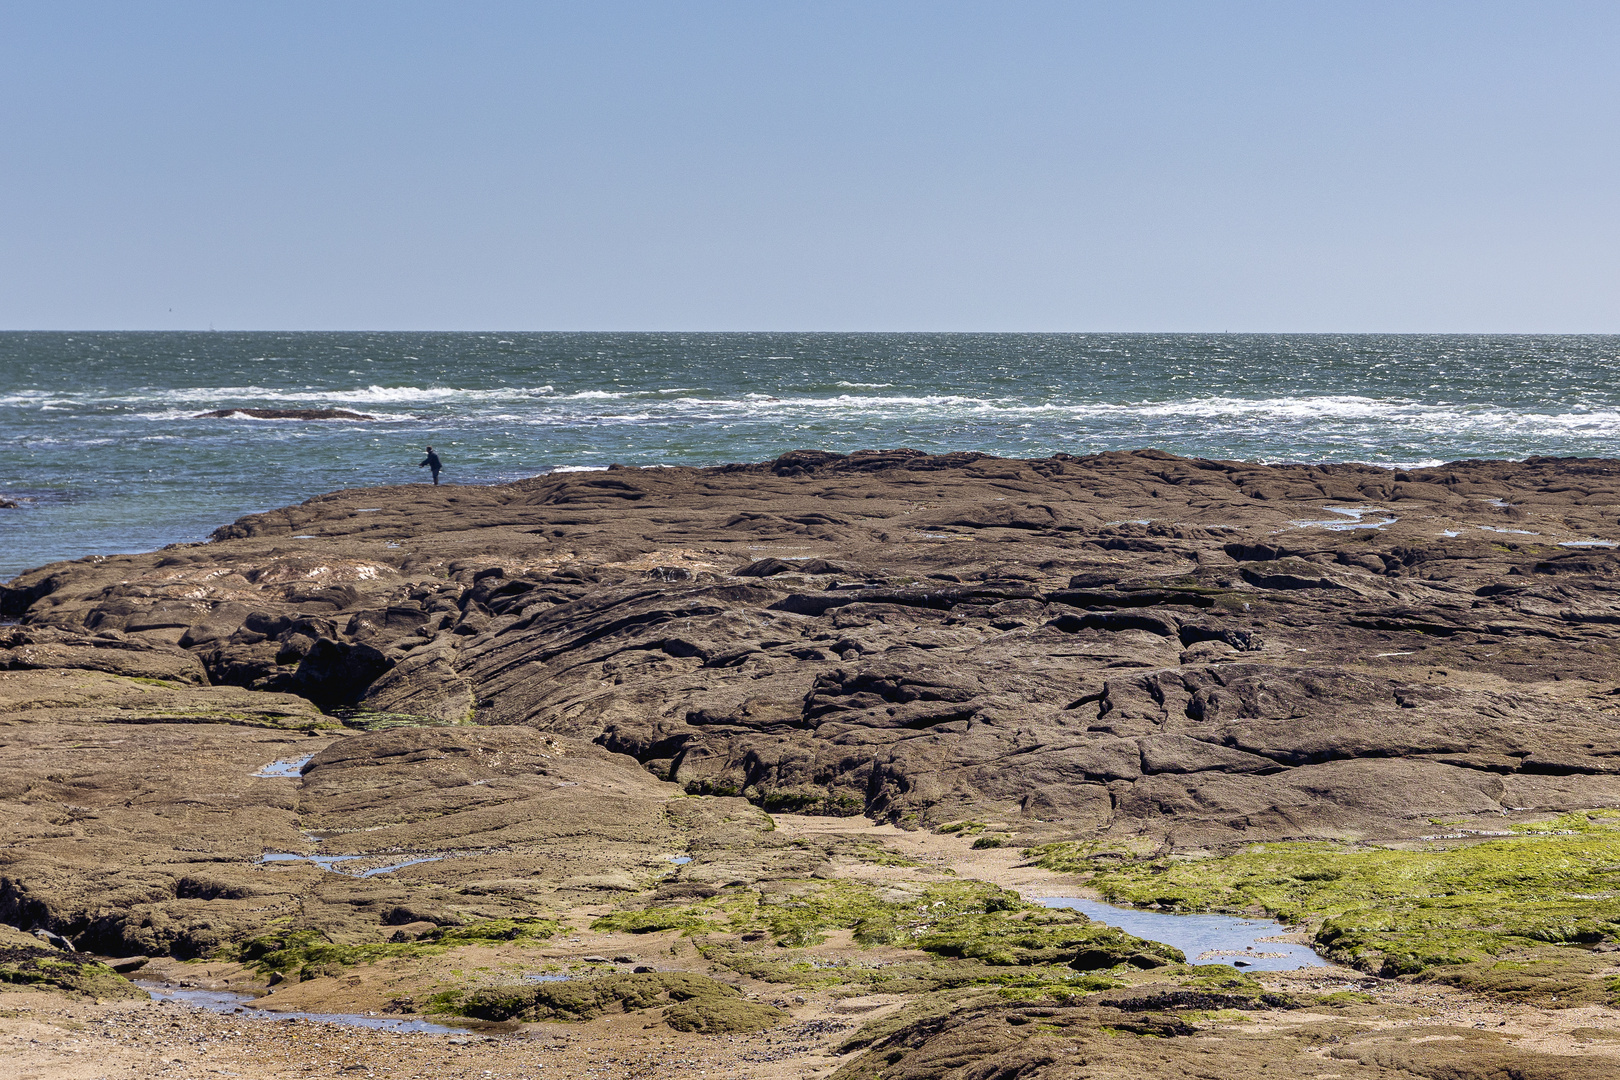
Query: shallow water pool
{"x": 286, "y": 768}
{"x": 221, "y": 1001}
{"x": 330, "y": 862}
{"x": 1206, "y": 939}
{"x": 1354, "y": 514}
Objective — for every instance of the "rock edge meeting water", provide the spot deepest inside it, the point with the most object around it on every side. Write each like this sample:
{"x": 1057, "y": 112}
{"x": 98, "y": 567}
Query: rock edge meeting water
{"x": 106, "y": 450}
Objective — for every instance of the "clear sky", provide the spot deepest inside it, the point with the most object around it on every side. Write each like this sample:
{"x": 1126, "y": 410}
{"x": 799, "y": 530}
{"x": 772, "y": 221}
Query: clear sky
{"x": 761, "y": 165}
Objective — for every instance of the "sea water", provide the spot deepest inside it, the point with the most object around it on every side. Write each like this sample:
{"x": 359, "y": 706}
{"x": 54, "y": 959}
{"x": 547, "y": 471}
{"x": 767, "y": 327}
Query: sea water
{"x": 101, "y": 447}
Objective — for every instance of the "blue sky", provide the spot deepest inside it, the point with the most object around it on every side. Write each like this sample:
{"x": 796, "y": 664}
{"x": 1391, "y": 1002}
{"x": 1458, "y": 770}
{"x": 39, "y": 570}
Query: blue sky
{"x": 1299, "y": 166}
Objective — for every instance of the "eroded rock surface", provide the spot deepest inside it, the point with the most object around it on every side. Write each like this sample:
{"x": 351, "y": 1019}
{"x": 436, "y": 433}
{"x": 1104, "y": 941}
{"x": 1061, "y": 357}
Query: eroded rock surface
{"x": 1206, "y": 650}
{"x": 998, "y": 1038}
{"x": 505, "y": 692}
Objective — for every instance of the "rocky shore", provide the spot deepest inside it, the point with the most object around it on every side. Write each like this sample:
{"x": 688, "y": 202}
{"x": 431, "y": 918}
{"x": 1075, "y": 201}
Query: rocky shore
{"x": 452, "y": 750}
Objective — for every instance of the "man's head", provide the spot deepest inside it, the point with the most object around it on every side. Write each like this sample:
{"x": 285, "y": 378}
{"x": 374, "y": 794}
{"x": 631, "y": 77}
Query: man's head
{"x": 430, "y": 449}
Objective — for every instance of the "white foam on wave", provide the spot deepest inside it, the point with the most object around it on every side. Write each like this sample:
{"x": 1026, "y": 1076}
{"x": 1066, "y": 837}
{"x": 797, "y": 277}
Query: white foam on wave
{"x": 857, "y": 402}
{"x": 240, "y": 417}
{"x": 1341, "y": 406}
{"x": 51, "y": 401}
{"x": 1359, "y": 414}
{"x": 407, "y": 394}
{"x": 1355, "y": 415}
{"x": 29, "y": 397}
{"x": 256, "y": 396}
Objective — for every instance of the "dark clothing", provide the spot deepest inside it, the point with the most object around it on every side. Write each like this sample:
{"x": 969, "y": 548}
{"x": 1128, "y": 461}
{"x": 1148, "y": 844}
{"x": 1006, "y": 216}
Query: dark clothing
{"x": 432, "y": 462}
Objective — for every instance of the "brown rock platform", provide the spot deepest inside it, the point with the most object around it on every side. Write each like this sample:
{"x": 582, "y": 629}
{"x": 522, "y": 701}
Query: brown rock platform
{"x": 522, "y": 700}
{"x": 1205, "y": 650}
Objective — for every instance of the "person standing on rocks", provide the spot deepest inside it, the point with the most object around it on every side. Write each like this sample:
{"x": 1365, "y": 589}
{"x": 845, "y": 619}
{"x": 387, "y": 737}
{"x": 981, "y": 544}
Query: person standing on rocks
{"x": 432, "y": 462}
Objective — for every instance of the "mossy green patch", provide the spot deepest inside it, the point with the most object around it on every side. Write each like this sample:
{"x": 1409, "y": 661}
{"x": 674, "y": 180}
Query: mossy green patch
{"x": 267, "y": 719}
{"x": 55, "y": 970}
{"x": 966, "y": 828}
{"x": 1341, "y": 998}
{"x": 978, "y": 935}
{"x": 876, "y": 854}
{"x": 366, "y": 720}
{"x": 823, "y": 802}
{"x": 692, "y": 1002}
{"x": 1557, "y": 977}
{"x": 708, "y": 786}
{"x": 903, "y": 976}
{"x": 1580, "y": 821}
{"x": 312, "y": 954}
{"x": 1398, "y": 912}
{"x": 166, "y": 684}
{"x": 800, "y": 912}
{"x": 1221, "y": 977}
{"x": 1043, "y": 936}
{"x": 655, "y": 919}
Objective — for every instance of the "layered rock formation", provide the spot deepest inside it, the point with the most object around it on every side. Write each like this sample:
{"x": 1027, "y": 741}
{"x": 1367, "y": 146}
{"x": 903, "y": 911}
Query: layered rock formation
{"x": 1128, "y": 667}
{"x": 1190, "y": 653}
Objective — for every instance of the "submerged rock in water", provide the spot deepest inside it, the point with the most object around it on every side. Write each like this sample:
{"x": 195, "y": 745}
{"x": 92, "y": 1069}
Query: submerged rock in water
{"x": 285, "y": 414}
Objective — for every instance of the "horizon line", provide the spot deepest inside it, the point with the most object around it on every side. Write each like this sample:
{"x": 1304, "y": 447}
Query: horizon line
{"x": 936, "y": 333}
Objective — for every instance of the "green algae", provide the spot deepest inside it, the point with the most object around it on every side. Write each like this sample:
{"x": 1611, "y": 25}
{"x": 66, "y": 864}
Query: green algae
{"x": 708, "y": 786}
{"x": 1580, "y": 821}
{"x": 163, "y": 684}
{"x": 312, "y": 954}
{"x": 278, "y": 721}
{"x": 822, "y": 802}
{"x": 975, "y": 934}
{"x": 691, "y": 1002}
{"x": 654, "y": 920}
{"x": 875, "y": 854}
{"x": 1559, "y": 977}
{"x": 1221, "y": 977}
{"x": 1341, "y": 998}
{"x": 367, "y": 720}
{"x": 887, "y": 975}
{"x": 1044, "y": 936}
{"x": 797, "y": 912}
{"x": 1392, "y": 911}
{"x": 52, "y": 969}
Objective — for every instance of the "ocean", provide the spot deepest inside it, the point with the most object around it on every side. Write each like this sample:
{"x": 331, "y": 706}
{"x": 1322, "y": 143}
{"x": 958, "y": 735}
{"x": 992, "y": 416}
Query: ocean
{"x": 104, "y": 453}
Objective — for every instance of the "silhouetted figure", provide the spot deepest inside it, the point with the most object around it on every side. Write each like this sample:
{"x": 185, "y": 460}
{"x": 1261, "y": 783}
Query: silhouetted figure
{"x": 432, "y": 462}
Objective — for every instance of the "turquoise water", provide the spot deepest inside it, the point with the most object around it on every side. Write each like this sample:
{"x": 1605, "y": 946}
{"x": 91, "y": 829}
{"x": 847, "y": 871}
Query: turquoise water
{"x": 101, "y": 448}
